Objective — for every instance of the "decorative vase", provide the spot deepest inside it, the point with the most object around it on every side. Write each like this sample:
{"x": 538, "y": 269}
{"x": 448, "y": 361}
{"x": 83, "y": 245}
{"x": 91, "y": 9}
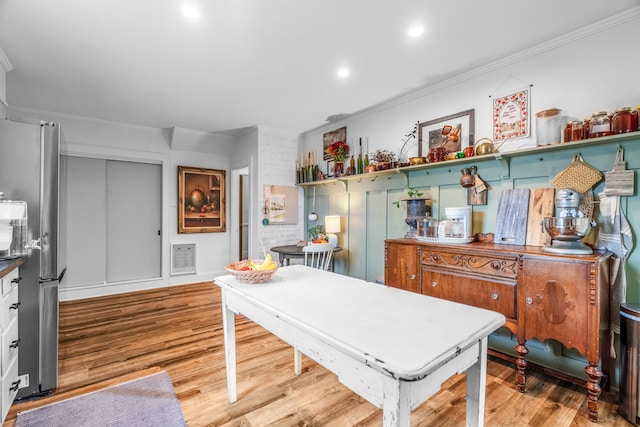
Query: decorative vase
{"x": 467, "y": 180}
{"x": 416, "y": 209}
{"x": 338, "y": 169}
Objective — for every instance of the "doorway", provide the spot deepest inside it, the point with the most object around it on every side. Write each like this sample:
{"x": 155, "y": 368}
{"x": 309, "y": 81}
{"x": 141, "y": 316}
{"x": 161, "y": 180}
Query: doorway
{"x": 240, "y": 214}
{"x": 243, "y": 220}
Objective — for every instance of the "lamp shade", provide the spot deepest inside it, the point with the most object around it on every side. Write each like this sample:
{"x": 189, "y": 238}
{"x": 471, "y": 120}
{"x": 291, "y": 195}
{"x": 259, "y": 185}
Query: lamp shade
{"x": 332, "y": 223}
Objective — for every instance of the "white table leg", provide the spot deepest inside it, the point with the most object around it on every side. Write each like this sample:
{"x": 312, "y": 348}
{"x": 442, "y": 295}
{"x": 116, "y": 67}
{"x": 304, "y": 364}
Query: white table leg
{"x": 476, "y": 386}
{"x": 396, "y": 405}
{"x": 229, "y": 329}
{"x": 297, "y": 361}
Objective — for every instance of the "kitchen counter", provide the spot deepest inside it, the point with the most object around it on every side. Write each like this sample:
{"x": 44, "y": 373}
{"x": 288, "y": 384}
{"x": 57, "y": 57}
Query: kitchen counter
{"x": 7, "y": 266}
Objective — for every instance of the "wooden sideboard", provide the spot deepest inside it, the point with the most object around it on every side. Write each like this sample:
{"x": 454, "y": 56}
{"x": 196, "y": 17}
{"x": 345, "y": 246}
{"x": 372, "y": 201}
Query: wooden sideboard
{"x": 542, "y": 295}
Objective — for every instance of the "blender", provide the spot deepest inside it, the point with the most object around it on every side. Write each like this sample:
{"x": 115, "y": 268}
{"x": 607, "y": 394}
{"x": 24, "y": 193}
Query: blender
{"x": 569, "y": 225}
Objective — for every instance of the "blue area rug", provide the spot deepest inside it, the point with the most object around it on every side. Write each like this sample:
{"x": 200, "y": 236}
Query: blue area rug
{"x": 148, "y": 401}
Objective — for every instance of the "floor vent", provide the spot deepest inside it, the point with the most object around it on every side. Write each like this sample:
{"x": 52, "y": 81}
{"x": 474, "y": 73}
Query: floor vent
{"x": 183, "y": 259}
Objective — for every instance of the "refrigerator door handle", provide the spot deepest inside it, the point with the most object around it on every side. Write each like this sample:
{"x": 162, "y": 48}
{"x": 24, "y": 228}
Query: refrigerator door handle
{"x": 54, "y": 279}
{"x": 64, "y": 270}
{"x": 34, "y": 244}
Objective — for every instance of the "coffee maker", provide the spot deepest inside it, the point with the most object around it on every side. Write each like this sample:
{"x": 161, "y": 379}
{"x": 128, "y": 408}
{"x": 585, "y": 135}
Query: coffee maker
{"x": 457, "y": 226}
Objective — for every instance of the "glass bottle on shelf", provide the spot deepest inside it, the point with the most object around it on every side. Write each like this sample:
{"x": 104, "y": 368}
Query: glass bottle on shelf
{"x": 577, "y": 130}
{"x": 566, "y": 135}
{"x": 352, "y": 166}
{"x": 599, "y": 125}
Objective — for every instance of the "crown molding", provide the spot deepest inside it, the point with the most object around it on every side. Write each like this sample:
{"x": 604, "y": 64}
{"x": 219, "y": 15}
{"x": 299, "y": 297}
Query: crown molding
{"x": 420, "y": 92}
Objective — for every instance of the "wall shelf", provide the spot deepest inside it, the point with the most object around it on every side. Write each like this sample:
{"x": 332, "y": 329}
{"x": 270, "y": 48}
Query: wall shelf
{"x": 503, "y": 158}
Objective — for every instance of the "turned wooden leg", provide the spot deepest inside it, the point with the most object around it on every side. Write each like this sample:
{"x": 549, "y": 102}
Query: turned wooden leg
{"x": 521, "y": 365}
{"x": 593, "y": 389}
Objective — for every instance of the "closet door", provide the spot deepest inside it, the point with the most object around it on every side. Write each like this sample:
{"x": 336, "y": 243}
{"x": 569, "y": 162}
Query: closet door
{"x": 110, "y": 220}
{"x": 82, "y": 237}
{"x": 134, "y": 205}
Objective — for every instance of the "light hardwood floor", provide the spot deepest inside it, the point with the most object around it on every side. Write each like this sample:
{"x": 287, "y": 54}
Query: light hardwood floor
{"x": 179, "y": 329}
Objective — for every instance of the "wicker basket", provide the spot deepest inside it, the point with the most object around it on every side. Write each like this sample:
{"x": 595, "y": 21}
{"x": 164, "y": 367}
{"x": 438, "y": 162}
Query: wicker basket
{"x": 250, "y": 276}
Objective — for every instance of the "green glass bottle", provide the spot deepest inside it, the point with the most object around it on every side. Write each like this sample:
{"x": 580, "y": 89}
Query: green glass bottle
{"x": 360, "y": 166}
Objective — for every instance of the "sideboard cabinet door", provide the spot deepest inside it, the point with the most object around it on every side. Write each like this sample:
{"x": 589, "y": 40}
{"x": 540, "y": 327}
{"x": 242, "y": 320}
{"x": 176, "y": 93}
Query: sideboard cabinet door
{"x": 567, "y": 301}
{"x": 556, "y": 298}
{"x": 401, "y": 266}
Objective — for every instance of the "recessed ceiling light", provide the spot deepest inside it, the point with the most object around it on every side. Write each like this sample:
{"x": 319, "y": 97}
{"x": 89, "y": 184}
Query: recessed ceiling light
{"x": 343, "y": 72}
{"x": 190, "y": 11}
{"x": 415, "y": 31}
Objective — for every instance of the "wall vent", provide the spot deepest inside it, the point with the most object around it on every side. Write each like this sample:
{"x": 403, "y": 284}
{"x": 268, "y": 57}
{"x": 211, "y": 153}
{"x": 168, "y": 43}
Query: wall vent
{"x": 183, "y": 259}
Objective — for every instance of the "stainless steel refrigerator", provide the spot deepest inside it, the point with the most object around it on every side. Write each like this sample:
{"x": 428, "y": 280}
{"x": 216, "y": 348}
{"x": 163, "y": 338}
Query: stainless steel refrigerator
{"x": 29, "y": 171}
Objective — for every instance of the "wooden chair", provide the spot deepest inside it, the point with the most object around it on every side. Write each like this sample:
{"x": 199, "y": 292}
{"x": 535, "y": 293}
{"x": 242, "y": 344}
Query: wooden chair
{"x": 318, "y": 255}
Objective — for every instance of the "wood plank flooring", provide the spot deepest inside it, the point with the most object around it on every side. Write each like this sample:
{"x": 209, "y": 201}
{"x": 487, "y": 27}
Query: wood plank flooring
{"x": 179, "y": 329}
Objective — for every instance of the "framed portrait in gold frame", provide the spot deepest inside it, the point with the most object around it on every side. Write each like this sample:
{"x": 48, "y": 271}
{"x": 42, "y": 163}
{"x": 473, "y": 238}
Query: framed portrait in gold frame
{"x": 201, "y": 200}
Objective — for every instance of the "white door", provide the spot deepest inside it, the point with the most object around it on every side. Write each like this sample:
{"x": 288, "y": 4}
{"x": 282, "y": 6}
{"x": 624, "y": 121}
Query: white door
{"x": 111, "y": 215}
{"x": 134, "y": 208}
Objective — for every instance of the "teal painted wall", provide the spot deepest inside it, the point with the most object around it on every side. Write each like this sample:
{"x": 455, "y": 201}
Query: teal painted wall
{"x": 369, "y": 215}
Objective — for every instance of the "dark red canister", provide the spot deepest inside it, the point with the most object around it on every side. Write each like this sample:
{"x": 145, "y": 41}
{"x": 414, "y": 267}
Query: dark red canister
{"x": 624, "y": 121}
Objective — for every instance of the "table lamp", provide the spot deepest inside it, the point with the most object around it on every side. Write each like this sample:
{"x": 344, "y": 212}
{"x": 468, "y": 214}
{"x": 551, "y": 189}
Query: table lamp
{"x": 332, "y": 226}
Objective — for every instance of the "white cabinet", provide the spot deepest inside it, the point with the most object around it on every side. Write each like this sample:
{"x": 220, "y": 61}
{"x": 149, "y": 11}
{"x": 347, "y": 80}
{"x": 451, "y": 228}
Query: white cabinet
{"x": 9, "y": 340}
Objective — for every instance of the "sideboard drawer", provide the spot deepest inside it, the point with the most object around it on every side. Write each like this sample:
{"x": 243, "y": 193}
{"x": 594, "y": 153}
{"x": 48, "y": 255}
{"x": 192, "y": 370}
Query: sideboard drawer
{"x": 492, "y": 295}
{"x": 488, "y": 265}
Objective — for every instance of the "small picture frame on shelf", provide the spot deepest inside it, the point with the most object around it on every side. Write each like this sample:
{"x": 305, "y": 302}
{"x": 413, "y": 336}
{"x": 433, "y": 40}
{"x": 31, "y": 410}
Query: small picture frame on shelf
{"x": 454, "y": 132}
{"x": 331, "y": 168}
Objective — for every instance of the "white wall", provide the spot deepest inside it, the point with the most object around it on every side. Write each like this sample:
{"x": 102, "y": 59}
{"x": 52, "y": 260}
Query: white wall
{"x": 170, "y": 148}
{"x": 278, "y": 151}
{"x": 592, "y": 69}
{"x": 563, "y": 73}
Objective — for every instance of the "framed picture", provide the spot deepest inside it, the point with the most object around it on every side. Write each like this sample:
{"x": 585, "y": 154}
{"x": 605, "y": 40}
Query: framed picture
{"x": 281, "y": 205}
{"x": 331, "y": 168}
{"x": 331, "y": 137}
{"x": 201, "y": 200}
{"x": 511, "y": 116}
{"x": 453, "y": 132}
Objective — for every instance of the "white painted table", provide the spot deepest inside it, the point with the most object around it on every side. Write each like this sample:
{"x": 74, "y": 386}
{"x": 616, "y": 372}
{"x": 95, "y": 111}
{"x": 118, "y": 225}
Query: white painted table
{"x": 392, "y": 347}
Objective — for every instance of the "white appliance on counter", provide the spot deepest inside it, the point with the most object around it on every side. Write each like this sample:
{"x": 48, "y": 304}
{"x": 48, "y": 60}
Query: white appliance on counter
{"x": 29, "y": 165}
{"x": 455, "y": 229}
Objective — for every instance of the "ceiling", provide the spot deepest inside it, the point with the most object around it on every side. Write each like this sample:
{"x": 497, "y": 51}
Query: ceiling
{"x": 252, "y": 62}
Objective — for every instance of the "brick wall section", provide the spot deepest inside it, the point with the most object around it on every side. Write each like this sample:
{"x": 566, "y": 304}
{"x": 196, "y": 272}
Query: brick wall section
{"x": 277, "y": 154}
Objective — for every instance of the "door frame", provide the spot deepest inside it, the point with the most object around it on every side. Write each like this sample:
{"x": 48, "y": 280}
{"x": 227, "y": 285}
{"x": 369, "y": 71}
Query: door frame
{"x": 234, "y": 218}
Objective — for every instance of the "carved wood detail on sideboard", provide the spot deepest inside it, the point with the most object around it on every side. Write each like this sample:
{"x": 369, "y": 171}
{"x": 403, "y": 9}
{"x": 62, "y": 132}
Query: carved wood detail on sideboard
{"x": 544, "y": 296}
